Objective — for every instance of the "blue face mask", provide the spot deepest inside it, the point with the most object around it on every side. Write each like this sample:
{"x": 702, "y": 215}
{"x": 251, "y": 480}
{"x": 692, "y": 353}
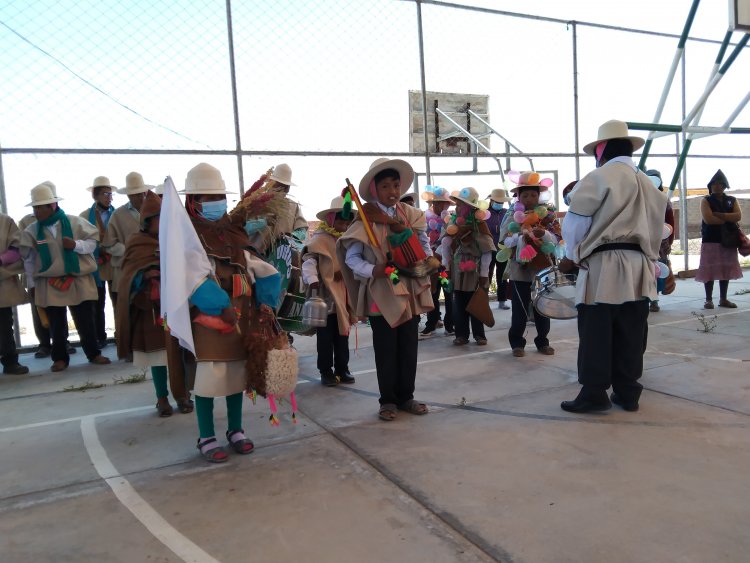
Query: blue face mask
{"x": 213, "y": 210}
{"x": 497, "y": 206}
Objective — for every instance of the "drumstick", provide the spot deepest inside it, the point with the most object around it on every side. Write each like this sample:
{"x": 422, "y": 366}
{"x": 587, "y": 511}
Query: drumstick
{"x": 368, "y": 228}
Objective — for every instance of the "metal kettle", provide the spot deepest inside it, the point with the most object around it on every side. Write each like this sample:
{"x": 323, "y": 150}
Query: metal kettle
{"x": 315, "y": 311}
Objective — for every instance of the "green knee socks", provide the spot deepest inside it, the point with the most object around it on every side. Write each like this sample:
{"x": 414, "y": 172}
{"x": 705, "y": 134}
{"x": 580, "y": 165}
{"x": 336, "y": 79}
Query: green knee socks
{"x": 159, "y": 376}
{"x": 204, "y": 409}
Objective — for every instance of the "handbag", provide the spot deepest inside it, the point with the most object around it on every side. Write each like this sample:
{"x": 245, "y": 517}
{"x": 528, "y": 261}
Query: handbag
{"x": 744, "y": 247}
{"x": 479, "y": 307}
{"x": 669, "y": 282}
{"x": 730, "y": 235}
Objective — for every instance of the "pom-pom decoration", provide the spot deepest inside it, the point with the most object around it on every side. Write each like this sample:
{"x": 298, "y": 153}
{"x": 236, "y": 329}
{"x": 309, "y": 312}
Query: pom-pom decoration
{"x": 514, "y": 227}
{"x": 518, "y": 206}
{"x": 547, "y": 247}
{"x": 527, "y": 253}
{"x": 451, "y": 230}
{"x": 503, "y": 255}
{"x": 392, "y": 273}
{"x": 519, "y": 216}
{"x": 541, "y": 211}
{"x": 484, "y": 205}
{"x": 663, "y": 270}
{"x": 544, "y": 197}
{"x": 482, "y": 215}
{"x": 467, "y": 266}
{"x": 460, "y": 221}
{"x": 433, "y": 224}
{"x": 531, "y": 219}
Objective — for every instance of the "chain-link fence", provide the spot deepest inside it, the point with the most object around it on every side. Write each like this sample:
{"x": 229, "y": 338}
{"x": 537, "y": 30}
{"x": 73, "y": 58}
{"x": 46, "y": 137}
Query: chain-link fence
{"x": 103, "y": 88}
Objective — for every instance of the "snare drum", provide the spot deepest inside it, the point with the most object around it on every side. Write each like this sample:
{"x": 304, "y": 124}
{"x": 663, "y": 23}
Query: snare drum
{"x": 286, "y": 257}
{"x": 555, "y": 294}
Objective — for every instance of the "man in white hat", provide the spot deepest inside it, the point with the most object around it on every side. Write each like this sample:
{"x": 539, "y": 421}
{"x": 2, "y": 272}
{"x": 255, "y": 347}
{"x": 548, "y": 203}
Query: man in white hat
{"x": 498, "y": 198}
{"x": 11, "y": 293}
{"x": 99, "y": 215}
{"x": 123, "y": 222}
{"x": 58, "y": 259}
{"x": 612, "y": 232}
{"x": 264, "y": 231}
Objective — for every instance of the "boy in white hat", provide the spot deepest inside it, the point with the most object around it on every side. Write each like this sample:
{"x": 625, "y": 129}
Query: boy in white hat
{"x": 264, "y": 231}
{"x": 498, "y": 198}
{"x": 58, "y": 259}
{"x": 99, "y": 215}
{"x": 467, "y": 251}
{"x": 123, "y": 222}
{"x": 613, "y": 230}
{"x": 530, "y": 246}
{"x": 321, "y": 272}
{"x": 393, "y": 309}
{"x": 11, "y": 293}
{"x": 439, "y": 200}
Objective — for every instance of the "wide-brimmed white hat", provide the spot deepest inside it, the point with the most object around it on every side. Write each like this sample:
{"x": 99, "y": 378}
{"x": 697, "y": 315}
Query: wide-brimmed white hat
{"x": 282, "y": 173}
{"x": 43, "y": 194}
{"x": 159, "y": 190}
{"x": 101, "y": 182}
{"x": 133, "y": 185}
{"x": 467, "y": 195}
{"x": 436, "y": 193}
{"x": 337, "y": 204}
{"x": 499, "y": 195}
{"x": 614, "y": 129}
{"x": 404, "y": 169}
{"x": 204, "y": 179}
{"x": 531, "y": 180}
{"x": 409, "y": 195}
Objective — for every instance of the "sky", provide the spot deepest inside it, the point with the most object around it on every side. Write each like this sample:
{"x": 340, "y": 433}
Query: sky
{"x": 334, "y": 76}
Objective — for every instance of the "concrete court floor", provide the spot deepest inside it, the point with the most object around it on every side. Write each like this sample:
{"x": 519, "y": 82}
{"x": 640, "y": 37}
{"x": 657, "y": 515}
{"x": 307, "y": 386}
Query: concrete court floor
{"x": 495, "y": 472}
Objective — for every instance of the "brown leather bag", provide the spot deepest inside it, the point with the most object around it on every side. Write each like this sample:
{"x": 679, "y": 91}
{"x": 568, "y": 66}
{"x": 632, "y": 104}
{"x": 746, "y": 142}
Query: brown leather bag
{"x": 479, "y": 307}
{"x": 669, "y": 282}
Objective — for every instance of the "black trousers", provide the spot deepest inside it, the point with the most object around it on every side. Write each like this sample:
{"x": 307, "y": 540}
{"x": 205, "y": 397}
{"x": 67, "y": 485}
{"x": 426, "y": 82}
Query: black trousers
{"x": 8, "y": 353}
{"x": 502, "y": 285}
{"x": 83, "y": 316}
{"x": 101, "y": 329}
{"x": 42, "y": 333}
{"x": 333, "y": 348}
{"x": 463, "y": 319}
{"x": 612, "y": 341}
{"x": 520, "y": 301}
{"x": 434, "y": 316}
{"x": 395, "y": 358}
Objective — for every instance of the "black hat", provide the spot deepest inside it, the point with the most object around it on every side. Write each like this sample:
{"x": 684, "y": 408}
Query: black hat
{"x": 718, "y": 178}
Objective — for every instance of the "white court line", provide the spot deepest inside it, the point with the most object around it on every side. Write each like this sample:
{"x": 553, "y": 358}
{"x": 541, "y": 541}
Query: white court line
{"x": 135, "y": 503}
{"x": 73, "y": 419}
{"x": 699, "y": 357}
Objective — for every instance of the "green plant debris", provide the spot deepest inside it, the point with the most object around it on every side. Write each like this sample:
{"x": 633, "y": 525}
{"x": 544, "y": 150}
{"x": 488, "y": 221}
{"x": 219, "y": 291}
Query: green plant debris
{"x": 708, "y": 324}
{"x": 83, "y": 388}
{"x": 134, "y": 378}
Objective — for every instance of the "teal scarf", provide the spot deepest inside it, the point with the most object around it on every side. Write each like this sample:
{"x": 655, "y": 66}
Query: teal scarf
{"x": 42, "y": 244}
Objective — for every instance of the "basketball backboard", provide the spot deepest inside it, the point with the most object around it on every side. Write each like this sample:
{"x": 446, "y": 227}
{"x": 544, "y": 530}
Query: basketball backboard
{"x": 739, "y": 15}
{"x": 443, "y": 137}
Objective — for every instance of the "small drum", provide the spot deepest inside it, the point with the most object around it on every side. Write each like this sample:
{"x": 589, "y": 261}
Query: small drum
{"x": 555, "y": 294}
{"x": 286, "y": 257}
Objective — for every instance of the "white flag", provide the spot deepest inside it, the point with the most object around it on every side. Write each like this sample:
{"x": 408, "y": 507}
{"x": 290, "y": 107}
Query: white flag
{"x": 184, "y": 265}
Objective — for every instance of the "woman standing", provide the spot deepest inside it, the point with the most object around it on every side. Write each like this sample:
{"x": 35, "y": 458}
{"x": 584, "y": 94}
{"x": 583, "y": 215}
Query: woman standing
{"x": 718, "y": 262}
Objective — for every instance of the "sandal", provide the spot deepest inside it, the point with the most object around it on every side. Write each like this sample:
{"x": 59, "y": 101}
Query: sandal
{"x": 387, "y": 412}
{"x": 414, "y": 407}
{"x": 185, "y": 406}
{"x": 164, "y": 408}
{"x": 242, "y": 445}
{"x": 211, "y": 450}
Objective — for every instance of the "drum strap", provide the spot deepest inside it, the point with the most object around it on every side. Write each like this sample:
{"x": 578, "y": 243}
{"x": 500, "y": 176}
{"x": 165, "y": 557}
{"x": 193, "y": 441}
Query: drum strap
{"x": 617, "y": 246}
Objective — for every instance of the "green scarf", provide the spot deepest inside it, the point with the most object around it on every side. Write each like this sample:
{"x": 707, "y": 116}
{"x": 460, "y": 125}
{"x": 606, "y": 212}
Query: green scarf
{"x": 71, "y": 260}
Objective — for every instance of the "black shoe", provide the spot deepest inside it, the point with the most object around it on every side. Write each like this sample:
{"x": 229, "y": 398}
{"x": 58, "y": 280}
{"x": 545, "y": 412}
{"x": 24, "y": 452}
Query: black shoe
{"x": 328, "y": 379}
{"x": 631, "y": 406}
{"x": 586, "y": 405}
{"x": 344, "y": 376}
{"x": 70, "y": 348}
{"x": 42, "y": 352}
{"x": 16, "y": 369}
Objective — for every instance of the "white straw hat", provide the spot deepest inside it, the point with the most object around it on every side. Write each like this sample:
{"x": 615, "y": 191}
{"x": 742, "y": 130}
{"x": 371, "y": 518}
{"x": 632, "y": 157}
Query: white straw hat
{"x": 613, "y": 129}
{"x": 43, "y": 194}
{"x": 404, "y": 169}
{"x": 467, "y": 195}
{"x": 133, "y": 185}
{"x": 499, "y": 195}
{"x": 204, "y": 179}
{"x": 100, "y": 182}
{"x": 282, "y": 173}
{"x": 337, "y": 204}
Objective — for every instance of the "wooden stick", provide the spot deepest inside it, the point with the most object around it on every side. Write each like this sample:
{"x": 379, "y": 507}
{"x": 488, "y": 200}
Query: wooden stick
{"x": 368, "y": 228}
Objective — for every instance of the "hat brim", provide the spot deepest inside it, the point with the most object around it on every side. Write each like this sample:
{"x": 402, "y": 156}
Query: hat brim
{"x": 405, "y": 173}
{"x": 456, "y": 199}
{"x": 92, "y": 188}
{"x": 44, "y": 202}
{"x": 321, "y": 215}
{"x": 131, "y": 191}
{"x": 637, "y": 143}
{"x": 281, "y": 181}
{"x": 205, "y": 192}
{"x": 500, "y": 200}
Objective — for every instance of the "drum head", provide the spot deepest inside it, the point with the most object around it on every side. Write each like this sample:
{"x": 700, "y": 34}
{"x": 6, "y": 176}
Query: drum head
{"x": 557, "y": 302}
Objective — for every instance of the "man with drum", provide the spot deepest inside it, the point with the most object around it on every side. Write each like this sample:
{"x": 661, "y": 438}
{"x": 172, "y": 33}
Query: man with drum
{"x": 613, "y": 233}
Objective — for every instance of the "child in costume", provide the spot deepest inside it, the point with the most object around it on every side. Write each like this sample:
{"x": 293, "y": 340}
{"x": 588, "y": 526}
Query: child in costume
{"x": 467, "y": 251}
{"x": 138, "y": 311}
{"x": 321, "y": 272}
{"x": 384, "y": 233}
{"x": 529, "y": 236}
{"x": 439, "y": 201}
{"x": 498, "y": 198}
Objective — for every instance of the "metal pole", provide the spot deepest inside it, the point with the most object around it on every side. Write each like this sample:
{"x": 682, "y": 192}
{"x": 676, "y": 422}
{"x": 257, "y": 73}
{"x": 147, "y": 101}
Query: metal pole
{"x": 4, "y": 209}
{"x": 575, "y": 99}
{"x": 684, "y": 243}
{"x": 235, "y": 105}
{"x": 424, "y": 91}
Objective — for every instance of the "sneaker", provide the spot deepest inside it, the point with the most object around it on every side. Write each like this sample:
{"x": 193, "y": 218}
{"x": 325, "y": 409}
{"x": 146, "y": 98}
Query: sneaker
{"x": 426, "y": 333}
{"x": 344, "y": 377}
{"x": 502, "y": 305}
{"x": 16, "y": 369}
{"x": 654, "y": 307}
{"x": 328, "y": 379}
{"x": 42, "y": 352}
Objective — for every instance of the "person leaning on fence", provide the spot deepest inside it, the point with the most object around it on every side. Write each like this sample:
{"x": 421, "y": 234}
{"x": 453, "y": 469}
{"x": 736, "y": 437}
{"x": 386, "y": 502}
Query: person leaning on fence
{"x": 393, "y": 309}
{"x": 717, "y": 261}
{"x": 498, "y": 198}
{"x": 665, "y": 249}
{"x": 321, "y": 273}
{"x": 12, "y": 293}
{"x": 99, "y": 215}
{"x": 613, "y": 232}
{"x": 466, "y": 251}
{"x": 58, "y": 255}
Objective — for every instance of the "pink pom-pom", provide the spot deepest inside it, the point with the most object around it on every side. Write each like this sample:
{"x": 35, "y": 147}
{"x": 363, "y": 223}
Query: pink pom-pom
{"x": 519, "y": 216}
{"x": 460, "y": 221}
{"x": 482, "y": 215}
{"x": 518, "y": 206}
{"x": 433, "y": 224}
{"x": 527, "y": 253}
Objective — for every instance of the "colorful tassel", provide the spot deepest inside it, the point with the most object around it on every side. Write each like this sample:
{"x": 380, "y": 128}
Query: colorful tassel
{"x": 527, "y": 253}
{"x": 293, "y": 400}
